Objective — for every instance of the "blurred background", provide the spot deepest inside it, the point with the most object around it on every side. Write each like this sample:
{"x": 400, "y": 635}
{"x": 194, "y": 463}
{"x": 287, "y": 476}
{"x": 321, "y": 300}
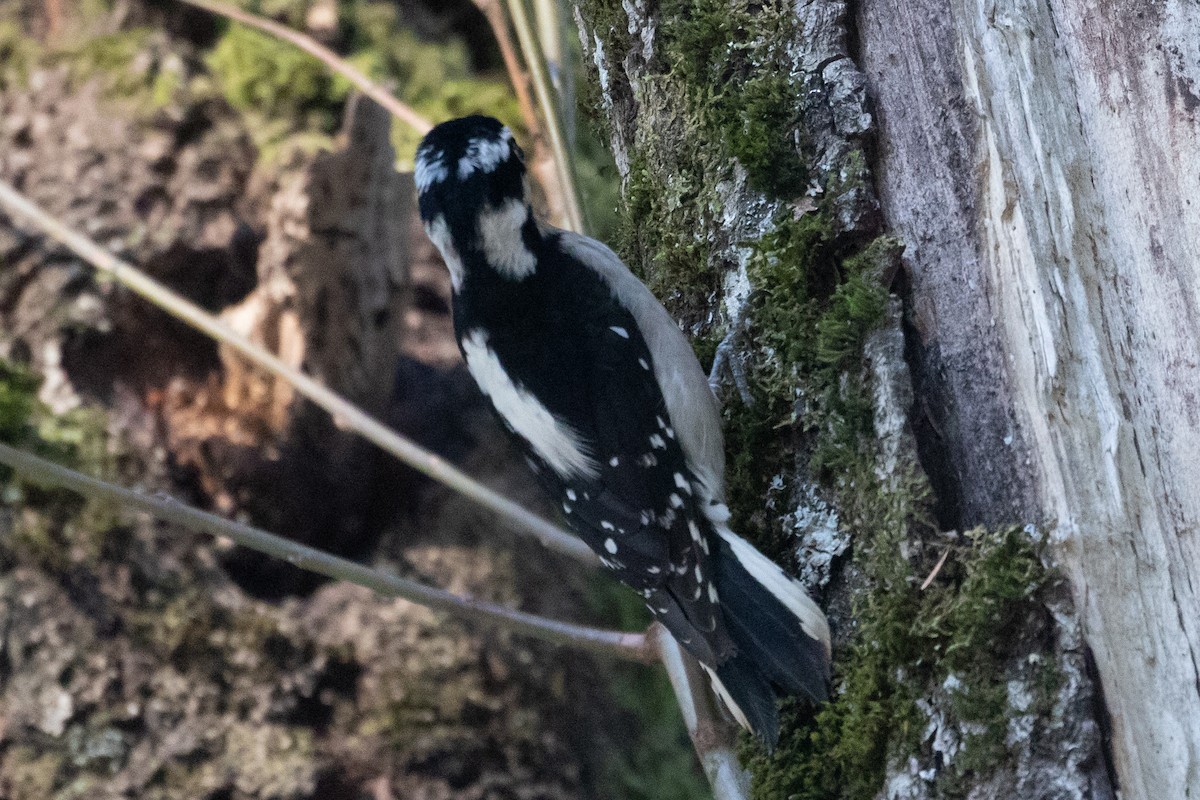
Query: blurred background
{"x": 137, "y": 660}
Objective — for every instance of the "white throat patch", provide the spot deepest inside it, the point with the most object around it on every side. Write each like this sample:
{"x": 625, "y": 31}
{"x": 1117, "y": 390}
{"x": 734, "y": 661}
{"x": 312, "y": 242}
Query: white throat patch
{"x": 502, "y": 240}
{"x": 562, "y": 448}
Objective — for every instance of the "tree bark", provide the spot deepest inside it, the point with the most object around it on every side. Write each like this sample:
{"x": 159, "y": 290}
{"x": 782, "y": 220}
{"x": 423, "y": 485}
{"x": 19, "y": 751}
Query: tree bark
{"x": 1040, "y": 159}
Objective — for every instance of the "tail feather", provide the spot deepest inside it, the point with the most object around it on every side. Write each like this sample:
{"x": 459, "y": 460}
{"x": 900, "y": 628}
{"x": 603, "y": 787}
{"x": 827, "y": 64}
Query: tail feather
{"x": 748, "y": 696}
{"x": 781, "y": 636}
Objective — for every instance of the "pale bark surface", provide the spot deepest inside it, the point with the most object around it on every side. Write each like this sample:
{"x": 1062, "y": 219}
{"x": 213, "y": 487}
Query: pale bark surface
{"x": 1041, "y": 160}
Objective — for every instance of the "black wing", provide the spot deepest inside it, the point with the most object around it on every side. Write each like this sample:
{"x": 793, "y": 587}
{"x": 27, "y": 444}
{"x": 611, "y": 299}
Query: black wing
{"x": 639, "y": 514}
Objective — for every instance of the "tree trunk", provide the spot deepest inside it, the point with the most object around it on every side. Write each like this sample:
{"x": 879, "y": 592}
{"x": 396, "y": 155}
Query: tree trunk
{"x": 1037, "y": 163}
{"x": 1040, "y": 159}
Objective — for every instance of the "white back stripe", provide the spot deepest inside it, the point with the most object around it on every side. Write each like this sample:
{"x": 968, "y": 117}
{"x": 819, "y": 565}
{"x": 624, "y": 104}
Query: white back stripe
{"x": 559, "y": 446}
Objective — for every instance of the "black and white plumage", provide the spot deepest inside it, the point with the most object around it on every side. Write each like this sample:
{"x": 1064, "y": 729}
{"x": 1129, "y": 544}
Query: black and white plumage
{"x": 604, "y": 395}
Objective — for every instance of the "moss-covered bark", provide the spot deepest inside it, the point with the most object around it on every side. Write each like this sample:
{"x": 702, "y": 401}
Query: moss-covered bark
{"x": 742, "y": 132}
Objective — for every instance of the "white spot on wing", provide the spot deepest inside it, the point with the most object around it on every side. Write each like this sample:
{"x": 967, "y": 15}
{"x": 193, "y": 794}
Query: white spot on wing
{"x": 657, "y": 441}
{"x": 610, "y": 545}
{"x": 439, "y": 233}
{"x": 619, "y": 331}
{"x": 502, "y": 240}
{"x": 682, "y": 483}
{"x": 644, "y": 363}
{"x": 614, "y": 461}
{"x": 557, "y": 443}
{"x": 571, "y": 495}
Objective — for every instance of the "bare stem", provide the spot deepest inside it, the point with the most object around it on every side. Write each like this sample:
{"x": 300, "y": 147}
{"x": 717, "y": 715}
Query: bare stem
{"x": 630, "y": 646}
{"x": 343, "y": 411}
{"x": 542, "y": 164}
{"x": 395, "y": 107}
{"x": 545, "y": 96}
{"x": 713, "y": 736}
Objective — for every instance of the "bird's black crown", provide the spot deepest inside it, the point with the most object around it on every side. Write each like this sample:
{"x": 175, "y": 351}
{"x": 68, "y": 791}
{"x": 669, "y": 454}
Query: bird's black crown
{"x": 464, "y": 164}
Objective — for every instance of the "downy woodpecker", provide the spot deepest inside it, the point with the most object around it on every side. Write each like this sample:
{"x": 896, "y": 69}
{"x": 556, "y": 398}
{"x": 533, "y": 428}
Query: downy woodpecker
{"x": 603, "y": 394}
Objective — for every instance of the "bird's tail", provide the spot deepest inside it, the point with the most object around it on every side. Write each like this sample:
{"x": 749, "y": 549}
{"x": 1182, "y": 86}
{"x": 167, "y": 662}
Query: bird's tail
{"x": 781, "y": 635}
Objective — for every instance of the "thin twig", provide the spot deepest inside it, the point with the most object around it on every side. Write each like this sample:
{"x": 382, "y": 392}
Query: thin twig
{"x": 542, "y": 164}
{"x": 517, "y": 75}
{"x": 343, "y": 411}
{"x": 713, "y": 736}
{"x": 545, "y": 95}
{"x": 396, "y": 107}
{"x": 630, "y": 646}
{"x": 936, "y": 569}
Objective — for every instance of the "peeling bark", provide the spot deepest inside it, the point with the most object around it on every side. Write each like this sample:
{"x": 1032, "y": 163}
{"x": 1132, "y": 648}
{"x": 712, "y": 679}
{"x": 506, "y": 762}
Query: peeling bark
{"x": 1041, "y": 159}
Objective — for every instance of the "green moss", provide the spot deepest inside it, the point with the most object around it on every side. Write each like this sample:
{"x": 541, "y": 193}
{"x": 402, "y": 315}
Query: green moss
{"x": 436, "y": 78}
{"x": 993, "y": 582}
{"x": 18, "y": 402}
{"x": 258, "y": 73}
{"x": 662, "y": 235}
{"x": 75, "y": 439}
{"x": 811, "y": 315}
{"x": 289, "y": 94}
{"x": 811, "y": 310}
{"x": 133, "y": 65}
{"x": 54, "y": 527}
{"x": 18, "y": 54}
{"x": 741, "y": 88}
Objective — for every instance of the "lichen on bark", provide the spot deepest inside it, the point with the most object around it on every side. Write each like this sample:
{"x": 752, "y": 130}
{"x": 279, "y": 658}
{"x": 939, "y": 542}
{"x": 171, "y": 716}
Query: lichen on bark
{"x": 743, "y": 133}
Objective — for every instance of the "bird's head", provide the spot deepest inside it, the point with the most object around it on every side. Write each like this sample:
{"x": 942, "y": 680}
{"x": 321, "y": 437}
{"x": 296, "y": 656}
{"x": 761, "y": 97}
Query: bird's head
{"x": 470, "y": 176}
{"x": 466, "y": 165}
